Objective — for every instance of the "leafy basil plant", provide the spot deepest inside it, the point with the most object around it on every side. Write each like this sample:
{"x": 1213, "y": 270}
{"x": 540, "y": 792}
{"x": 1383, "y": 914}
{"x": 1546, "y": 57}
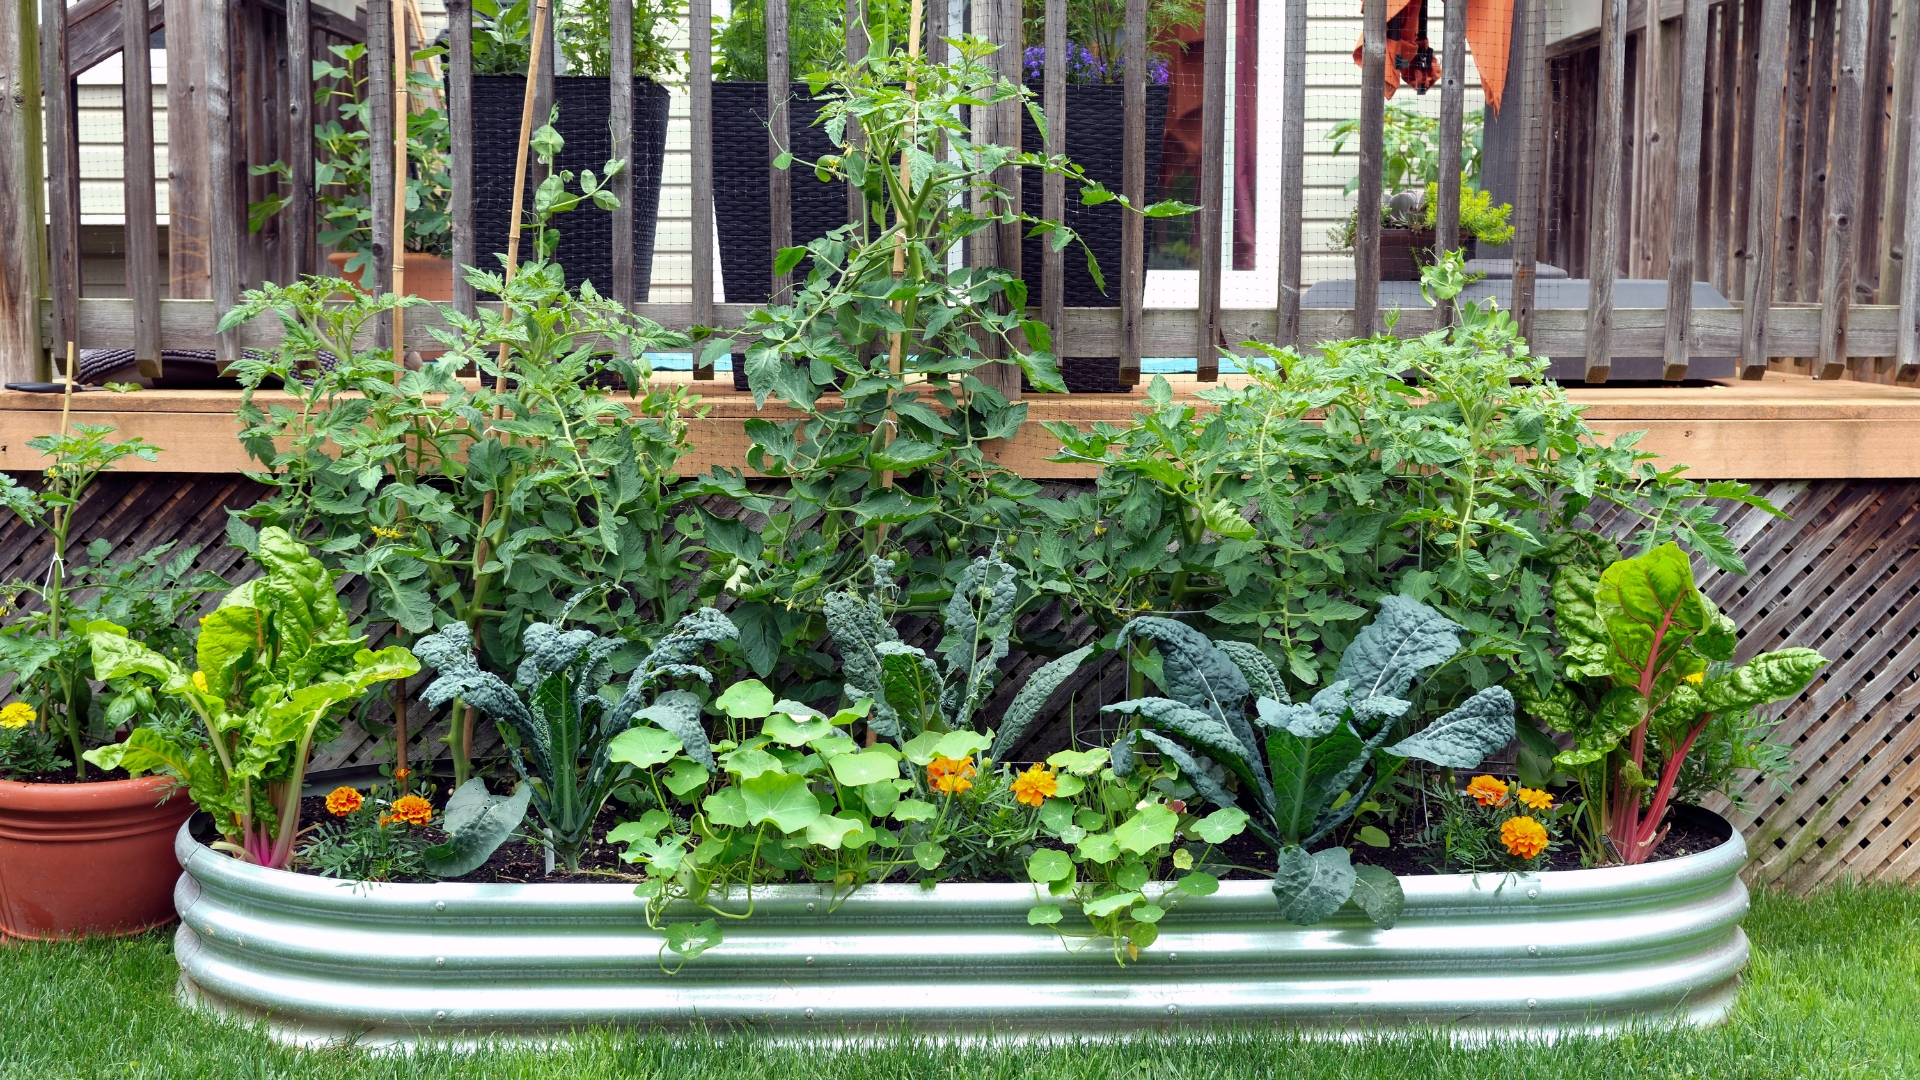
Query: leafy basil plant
{"x": 278, "y": 663}
{"x": 1299, "y": 769}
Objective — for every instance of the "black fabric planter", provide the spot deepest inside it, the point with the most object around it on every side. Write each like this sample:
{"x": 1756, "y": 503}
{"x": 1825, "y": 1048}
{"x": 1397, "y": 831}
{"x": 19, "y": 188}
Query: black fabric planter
{"x": 741, "y": 213}
{"x": 586, "y": 233}
{"x": 1096, "y": 134}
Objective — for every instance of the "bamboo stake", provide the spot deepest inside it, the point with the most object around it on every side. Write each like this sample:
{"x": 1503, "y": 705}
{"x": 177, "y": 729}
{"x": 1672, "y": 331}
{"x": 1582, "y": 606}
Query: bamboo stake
{"x": 402, "y": 75}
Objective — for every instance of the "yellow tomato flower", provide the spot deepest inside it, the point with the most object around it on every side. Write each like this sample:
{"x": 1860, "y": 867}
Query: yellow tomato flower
{"x": 1524, "y": 837}
{"x": 1534, "y": 797}
{"x": 17, "y": 715}
{"x": 412, "y": 809}
{"x": 951, "y": 777}
{"x": 1035, "y": 786}
{"x": 342, "y": 801}
{"x": 1488, "y": 791}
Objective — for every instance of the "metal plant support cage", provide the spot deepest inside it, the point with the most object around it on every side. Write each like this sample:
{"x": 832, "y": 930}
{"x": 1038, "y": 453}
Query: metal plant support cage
{"x": 1533, "y": 955}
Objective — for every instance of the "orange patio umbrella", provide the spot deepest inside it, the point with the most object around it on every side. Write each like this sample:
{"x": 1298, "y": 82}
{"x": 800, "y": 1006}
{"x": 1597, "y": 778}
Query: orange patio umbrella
{"x": 1489, "y": 34}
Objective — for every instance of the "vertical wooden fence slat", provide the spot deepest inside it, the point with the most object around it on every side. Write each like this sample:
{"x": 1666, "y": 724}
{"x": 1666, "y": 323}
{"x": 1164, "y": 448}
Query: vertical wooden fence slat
{"x": 223, "y": 256}
{"x": 620, "y": 117}
{"x": 1133, "y": 184}
{"x": 1053, "y": 195}
{"x": 1603, "y": 250}
{"x": 22, "y": 221}
{"x": 460, "y": 158}
{"x": 1873, "y": 147}
{"x": 187, "y": 221}
{"x": 297, "y": 223}
{"x": 1213, "y": 167}
{"x": 939, "y": 28}
{"x": 1705, "y": 208}
{"x": 1894, "y": 246}
{"x": 1793, "y": 165}
{"x": 380, "y": 150}
{"x": 1762, "y": 162}
{"x": 1730, "y": 187}
{"x": 1742, "y": 209}
{"x": 1908, "y": 358}
{"x": 1681, "y": 247}
{"x": 1293, "y": 160}
{"x": 1526, "y": 236}
{"x": 1453, "y": 104}
{"x": 998, "y": 21}
{"x": 1646, "y": 137}
{"x": 779, "y": 203}
{"x": 142, "y": 223}
{"x": 1843, "y": 191}
{"x": 63, "y": 176}
{"x": 700, "y": 112}
{"x": 1373, "y": 108}
{"x": 1813, "y": 189}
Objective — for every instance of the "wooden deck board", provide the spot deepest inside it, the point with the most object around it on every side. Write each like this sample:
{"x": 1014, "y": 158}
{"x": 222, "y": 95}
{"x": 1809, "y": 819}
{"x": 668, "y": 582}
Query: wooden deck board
{"x": 1785, "y": 427}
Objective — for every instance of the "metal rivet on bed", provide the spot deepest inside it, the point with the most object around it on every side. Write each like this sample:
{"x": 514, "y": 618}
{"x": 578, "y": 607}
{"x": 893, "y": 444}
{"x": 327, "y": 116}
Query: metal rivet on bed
{"x": 809, "y": 1014}
{"x": 1533, "y": 894}
{"x": 441, "y": 1015}
{"x": 1532, "y": 1003}
{"x": 809, "y": 961}
{"x": 809, "y": 907}
{"x": 1173, "y": 1010}
{"x": 1533, "y": 950}
{"x": 439, "y": 961}
{"x": 1172, "y": 956}
{"x": 439, "y": 905}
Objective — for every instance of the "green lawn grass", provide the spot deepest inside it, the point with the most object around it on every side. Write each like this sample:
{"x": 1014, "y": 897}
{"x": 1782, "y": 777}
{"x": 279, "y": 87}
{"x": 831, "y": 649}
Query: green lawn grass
{"x": 1834, "y": 991}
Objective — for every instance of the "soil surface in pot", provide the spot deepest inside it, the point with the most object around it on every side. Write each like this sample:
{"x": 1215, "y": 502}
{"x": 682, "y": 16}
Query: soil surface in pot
{"x": 95, "y": 775}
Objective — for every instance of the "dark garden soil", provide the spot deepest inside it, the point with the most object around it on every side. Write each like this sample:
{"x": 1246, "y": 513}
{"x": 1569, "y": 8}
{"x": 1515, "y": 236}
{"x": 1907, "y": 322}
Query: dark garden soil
{"x": 1689, "y": 832}
{"x": 95, "y": 775}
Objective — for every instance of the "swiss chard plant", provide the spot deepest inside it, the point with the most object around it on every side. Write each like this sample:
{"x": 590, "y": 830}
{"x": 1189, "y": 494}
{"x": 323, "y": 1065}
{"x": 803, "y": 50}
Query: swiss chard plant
{"x": 1299, "y": 770}
{"x": 278, "y": 663}
{"x": 561, "y": 715}
{"x": 1649, "y": 675}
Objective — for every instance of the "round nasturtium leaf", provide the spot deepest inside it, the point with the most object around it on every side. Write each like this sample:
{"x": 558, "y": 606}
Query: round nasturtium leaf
{"x": 858, "y": 770}
{"x": 748, "y": 699}
{"x": 643, "y": 747}
{"x": 1150, "y": 828}
{"x": 1048, "y": 864}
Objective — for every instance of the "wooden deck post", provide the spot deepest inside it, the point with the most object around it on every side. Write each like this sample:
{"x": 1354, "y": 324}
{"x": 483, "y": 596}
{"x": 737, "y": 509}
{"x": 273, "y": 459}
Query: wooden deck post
{"x": 1133, "y": 184}
{"x": 460, "y": 156}
{"x": 1763, "y": 165}
{"x": 1293, "y": 165}
{"x": 63, "y": 175}
{"x": 700, "y": 113}
{"x": 1213, "y": 168}
{"x": 1683, "y": 233}
{"x": 1533, "y": 135}
{"x": 620, "y": 118}
{"x": 1894, "y": 247}
{"x": 142, "y": 223}
{"x": 1373, "y": 112}
{"x": 1908, "y": 359}
{"x": 1053, "y": 195}
{"x": 22, "y": 217}
{"x": 1453, "y": 104}
{"x": 779, "y": 190}
{"x": 1843, "y": 191}
{"x": 1603, "y": 246}
{"x": 223, "y": 175}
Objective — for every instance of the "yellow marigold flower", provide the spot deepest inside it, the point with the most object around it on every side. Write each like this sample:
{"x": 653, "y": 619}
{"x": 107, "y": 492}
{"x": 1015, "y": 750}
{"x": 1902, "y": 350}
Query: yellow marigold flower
{"x": 17, "y": 715}
{"x": 1524, "y": 837}
{"x": 1488, "y": 791}
{"x": 1035, "y": 786}
{"x": 342, "y": 801}
{"x": 1697, "y": 678}
{"x": 1534, "y": 797}
{"x": 412, "y": 809}
{"x": 950, "y": 777}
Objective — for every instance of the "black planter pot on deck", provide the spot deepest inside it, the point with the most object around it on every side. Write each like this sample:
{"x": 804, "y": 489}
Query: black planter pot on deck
{"x": 586, "y": 232}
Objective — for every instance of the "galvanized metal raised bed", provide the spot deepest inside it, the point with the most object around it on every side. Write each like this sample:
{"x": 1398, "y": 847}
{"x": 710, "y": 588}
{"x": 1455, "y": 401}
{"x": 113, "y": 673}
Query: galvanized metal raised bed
{"x": 1575, "y": 950}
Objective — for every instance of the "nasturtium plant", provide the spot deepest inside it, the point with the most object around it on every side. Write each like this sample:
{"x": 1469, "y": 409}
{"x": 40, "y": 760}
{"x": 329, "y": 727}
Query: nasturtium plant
{"x": 1649, "y": 673}
{"x": 278, "y": 662}
{"x": 1297, "y": 769}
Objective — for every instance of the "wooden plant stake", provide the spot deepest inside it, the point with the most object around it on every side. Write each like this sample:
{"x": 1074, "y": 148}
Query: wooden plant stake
{"x": 897, "y": 347}
{"x": 402, "y": 75}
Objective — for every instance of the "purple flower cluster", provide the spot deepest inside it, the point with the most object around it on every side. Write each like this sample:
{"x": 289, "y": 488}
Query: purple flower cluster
{"x": 1084, "y": 66}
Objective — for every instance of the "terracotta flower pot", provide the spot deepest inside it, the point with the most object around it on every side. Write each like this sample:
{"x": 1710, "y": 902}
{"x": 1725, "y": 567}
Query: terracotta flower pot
{"x": 78, "y": 859}
{"x": 429, "y": 277}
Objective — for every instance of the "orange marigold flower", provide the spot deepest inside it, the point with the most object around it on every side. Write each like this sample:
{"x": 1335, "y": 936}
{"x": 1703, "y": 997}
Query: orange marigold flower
{"x": 1524, "y": 837}
{"x": 1488, "y": 791}
{"x": 951, "y": 777}
{"x": 412, "y": 809}
{"x": 1035, "y": 786}
{"x": 1534, "y": 797}
{"x": 342, "y": 801}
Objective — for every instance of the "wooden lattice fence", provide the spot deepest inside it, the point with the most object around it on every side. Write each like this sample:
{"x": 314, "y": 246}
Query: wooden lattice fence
{"x": 1840, "y": 573}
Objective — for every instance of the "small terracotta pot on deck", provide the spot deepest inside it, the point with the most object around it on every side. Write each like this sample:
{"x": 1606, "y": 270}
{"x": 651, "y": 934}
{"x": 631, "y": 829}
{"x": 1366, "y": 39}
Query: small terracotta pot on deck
{"x": 429, "y": 277}
{"x": 88, "y": 859}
